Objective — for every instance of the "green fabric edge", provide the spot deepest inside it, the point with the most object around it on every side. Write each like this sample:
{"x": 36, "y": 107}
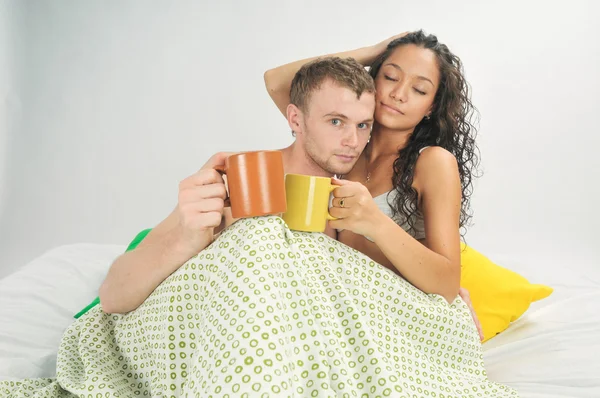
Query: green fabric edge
{"x": 134, "y": 243}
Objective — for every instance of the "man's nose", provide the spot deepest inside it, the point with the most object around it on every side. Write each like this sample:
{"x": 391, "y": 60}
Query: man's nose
{"x": 351, "y": 137}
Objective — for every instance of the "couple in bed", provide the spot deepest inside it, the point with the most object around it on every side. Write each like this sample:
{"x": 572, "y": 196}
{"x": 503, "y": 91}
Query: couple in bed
{"x": 210, "y": 306}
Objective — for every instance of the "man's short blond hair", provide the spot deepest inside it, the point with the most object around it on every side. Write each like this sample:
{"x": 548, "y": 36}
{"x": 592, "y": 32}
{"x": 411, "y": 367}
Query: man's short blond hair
{"x": 346, "y": 72}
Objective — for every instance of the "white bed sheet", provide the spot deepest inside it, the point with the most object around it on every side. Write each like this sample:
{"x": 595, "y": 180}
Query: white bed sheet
{"x": 38, "y": 301}
{"x": 552, "y": 351}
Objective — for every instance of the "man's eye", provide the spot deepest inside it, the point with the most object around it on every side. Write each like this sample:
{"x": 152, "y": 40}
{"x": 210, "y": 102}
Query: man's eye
{"x": 364, "y": 126}
{"x": 336, "y": 122}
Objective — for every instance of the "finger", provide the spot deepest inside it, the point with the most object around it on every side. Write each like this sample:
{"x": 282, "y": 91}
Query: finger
{"x": 337, "y": 224}
{"x": 339, "y": 212}
{"x": 337, "y": 202}
{"x": 211, "y": 204}
{"x": 218, "y": 159}
{"x": 202, "y": 177}
{"x": 210, "y": 220}
{"x": 345, "y": 191}
{"x": 472, "y": 311}
{"x": 198, "y": 193}
{"x": 198, "y": 221}
{"x": 339, "y": 181}
{"x": 204, "y": 206}
{"x": 477, "y": 322}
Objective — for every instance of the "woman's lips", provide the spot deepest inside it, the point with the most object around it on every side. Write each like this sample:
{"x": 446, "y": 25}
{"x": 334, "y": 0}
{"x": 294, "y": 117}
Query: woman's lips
{"x": 392, "y": 109}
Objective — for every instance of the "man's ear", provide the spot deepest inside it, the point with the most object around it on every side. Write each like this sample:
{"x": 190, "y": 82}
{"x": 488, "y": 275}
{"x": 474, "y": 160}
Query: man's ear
{"x": 295, "y": 118}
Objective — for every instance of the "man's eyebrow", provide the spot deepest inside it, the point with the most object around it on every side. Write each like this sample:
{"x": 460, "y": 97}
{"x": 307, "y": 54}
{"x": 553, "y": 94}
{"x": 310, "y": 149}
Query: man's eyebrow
{"x": 400, "y": 69}
{"x": 336, "y": 114}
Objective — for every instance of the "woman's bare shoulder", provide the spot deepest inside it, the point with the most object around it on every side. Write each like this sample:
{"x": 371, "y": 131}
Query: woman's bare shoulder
{"x": 433, "y": 165}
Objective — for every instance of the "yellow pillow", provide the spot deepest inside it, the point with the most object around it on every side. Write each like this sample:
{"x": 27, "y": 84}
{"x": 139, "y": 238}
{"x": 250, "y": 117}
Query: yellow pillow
{"x": 499, "y": 296}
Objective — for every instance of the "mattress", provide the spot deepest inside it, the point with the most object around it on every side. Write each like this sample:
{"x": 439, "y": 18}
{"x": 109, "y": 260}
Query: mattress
{"x": 552, "y": 351}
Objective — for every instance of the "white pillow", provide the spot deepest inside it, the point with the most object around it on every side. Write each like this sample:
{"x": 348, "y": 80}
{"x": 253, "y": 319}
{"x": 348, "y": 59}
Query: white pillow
{"x": 38, "y": 301}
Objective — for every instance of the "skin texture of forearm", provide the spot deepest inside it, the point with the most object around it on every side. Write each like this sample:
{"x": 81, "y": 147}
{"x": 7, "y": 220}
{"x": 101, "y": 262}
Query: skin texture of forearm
{"x": 422, "y": 267}
{"x": 134, "y": 275}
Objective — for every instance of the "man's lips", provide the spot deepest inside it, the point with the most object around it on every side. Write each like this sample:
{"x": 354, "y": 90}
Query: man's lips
{"x": 347, "y": 158}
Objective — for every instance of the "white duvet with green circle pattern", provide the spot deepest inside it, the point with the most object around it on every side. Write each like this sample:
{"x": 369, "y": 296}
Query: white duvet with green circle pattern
{"x": 269, "y": 312}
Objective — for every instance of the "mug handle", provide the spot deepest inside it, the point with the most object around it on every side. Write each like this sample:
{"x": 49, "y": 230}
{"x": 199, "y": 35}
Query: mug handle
{"x": 223, "y": 171}
{"x": 328, "y": 216}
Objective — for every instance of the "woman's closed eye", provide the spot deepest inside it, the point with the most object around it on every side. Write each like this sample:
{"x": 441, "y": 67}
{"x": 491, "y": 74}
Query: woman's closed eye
{"x": 390, "y": 78}
{"x": 420, "y": 92}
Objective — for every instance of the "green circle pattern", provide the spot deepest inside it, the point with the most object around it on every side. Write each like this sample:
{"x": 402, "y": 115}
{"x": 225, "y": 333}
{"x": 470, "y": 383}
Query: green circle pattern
{"x": 266, "y": 312}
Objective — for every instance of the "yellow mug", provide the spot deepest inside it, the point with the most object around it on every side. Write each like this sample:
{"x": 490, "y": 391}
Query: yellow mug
{"x": 307, "y": 202}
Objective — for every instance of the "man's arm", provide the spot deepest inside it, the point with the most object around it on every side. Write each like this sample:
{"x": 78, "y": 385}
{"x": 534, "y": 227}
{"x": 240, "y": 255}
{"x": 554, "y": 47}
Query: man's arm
{"x": 184, "y": 233}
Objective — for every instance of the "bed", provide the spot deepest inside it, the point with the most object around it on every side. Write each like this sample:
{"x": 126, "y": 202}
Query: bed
{"x": 552, "y": 351}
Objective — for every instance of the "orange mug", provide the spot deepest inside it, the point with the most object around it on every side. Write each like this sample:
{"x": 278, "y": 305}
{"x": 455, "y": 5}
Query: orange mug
{"x": 256, "y": 183}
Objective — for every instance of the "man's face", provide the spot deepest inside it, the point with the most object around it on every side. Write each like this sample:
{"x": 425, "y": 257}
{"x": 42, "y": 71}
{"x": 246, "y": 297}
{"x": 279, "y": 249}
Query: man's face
{"x": 335, "y": 127}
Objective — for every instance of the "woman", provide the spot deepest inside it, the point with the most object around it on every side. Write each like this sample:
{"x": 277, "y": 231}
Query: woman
{"x": 407, "y": 197}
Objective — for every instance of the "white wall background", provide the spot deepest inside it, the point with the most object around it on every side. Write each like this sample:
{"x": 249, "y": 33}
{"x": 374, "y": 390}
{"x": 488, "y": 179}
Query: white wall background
{"x": 113, "y": 103}
{"x": 9, "y": 94}
{"x": 5, "y": 78}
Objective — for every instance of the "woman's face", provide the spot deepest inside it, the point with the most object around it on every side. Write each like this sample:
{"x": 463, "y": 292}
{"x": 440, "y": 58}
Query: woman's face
{"x": 406, "y": 86}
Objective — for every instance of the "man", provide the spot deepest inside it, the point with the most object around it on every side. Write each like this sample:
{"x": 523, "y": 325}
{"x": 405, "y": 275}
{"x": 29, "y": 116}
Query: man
{"x": 330, "y": 114}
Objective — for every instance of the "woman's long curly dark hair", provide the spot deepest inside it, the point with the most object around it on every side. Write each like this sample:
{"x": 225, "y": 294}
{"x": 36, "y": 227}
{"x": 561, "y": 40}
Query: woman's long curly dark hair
{"x": 450, "y": 126}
